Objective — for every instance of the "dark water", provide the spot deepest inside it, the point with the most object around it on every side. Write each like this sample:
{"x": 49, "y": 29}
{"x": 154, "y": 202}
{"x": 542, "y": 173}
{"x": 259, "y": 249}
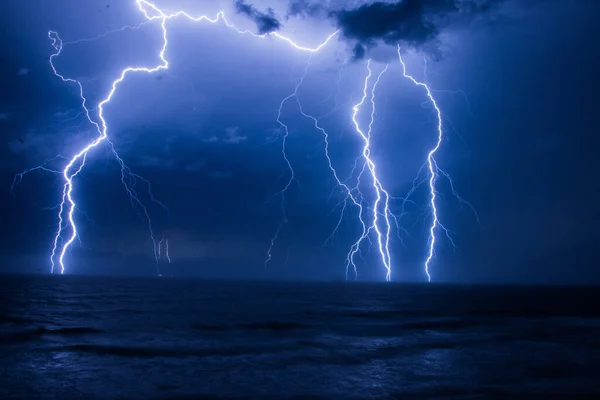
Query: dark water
{"x": 100, "y": 338}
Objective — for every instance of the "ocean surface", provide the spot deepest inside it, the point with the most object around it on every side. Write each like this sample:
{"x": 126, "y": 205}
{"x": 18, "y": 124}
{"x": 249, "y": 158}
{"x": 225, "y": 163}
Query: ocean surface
{"x": 132, "y": 338}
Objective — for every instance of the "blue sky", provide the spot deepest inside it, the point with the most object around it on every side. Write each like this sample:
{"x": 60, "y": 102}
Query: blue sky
{"x": 204, "y": 133}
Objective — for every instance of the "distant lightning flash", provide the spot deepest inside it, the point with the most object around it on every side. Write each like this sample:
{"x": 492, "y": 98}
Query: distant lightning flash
{"x": 167, "y": 251}
{"x": 160, "y": 245}
{"x": 66, "y": 232}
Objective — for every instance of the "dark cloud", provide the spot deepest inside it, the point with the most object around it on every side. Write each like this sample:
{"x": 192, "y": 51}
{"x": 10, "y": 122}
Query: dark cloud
{"x": 416, "y": 23}
{"x": 305, "y": 8}
{"x": 265, "y": 21}
{"x": 358, "y": 51}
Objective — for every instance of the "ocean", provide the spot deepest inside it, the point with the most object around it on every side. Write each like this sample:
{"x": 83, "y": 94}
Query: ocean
{"x": 68, "y": 337}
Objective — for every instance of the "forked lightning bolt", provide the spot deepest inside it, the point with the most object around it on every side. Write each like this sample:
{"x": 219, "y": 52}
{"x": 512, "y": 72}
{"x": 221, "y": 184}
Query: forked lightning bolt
{"x": 353, "y": 194}
{"x": 67, "y": 206}
{"x": 434, "y": 172}
{"x": 381, "y": 204}
{"x": 376, "y": 219}
{"x": 282, "y": 192}
{"x": 63, "y": 240}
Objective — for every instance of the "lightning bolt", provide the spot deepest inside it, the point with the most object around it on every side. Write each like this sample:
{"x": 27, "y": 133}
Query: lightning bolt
{"x": 434, "y": 173}
{"x": 167, "y": 251}
{"x": 353, "y": 195}
{"x": 294, "y": 95}
{"x": 67, "y": 205}
{"x": 166, "y": 242}
{"x": 66, "y": 232}
{"x": 375, "y": 219}
{"x": 292, "y": 177}
{"x": 382, "y": 195}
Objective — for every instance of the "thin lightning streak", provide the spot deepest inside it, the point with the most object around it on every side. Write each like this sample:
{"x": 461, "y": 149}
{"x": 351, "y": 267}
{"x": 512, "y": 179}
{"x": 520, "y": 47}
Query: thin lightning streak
{"x": 167, "y": 251}
{"x": 166, "y": 242}
{"x": 18, "y": 178}
{"x": 221, "y": 16}
{"x": 457, "y": 91}
{"x": 124, "y": 28}
{"x": 77, "y": 162}
{"x": 345, "y": 188}
{"x": 354, "y": 194}
{"x": 434, "y": 172}
{"x": 432, "y": 165}
{"x": 339, "y": 223}
{"x": 272, "y": 244}
{"x": 67, "y": 206}
{"x": 383, "y": 239}
{"x": 337, "y": 94}
{"x": 416, "y": 184}
{"x": 326, "y": 140}
{"x": 282, "y": 192}
{"x": 458, "y": 196}
{"x": 285, "y": 128}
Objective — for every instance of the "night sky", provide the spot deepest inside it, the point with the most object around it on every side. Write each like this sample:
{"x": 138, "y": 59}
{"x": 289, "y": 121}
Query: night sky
{"x": 517, "y": 83}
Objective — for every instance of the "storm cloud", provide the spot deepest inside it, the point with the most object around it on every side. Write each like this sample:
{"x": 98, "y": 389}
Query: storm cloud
{"x": 415, "y": 23}
{"x": 265, "y": 21}
{"x": 412, "y": 23}
{"x": 305, "y": 8}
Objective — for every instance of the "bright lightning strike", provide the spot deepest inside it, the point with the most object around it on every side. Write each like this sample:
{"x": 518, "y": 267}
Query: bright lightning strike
{"x": 381, "y": 204}
{"x": 68, "y": 206}
{"x": 354, "y": 194}
{"x": 67, "y": 229}
{"x": 375, "y": 219}
{"x": 434, "y": 172}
